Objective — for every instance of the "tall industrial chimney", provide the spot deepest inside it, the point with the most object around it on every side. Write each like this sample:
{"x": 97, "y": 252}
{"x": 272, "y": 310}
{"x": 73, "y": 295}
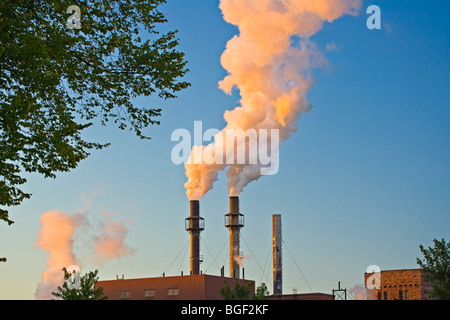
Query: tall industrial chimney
{"x": 277, "y": 261}
{"x": 194, "y": 225}
{"x": 234, "y": 221}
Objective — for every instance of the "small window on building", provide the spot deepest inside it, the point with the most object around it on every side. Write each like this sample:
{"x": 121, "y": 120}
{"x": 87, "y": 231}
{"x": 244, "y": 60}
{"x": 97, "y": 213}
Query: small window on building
{"x": 379, "y": 295}
{"x": 149, "y": 292}
{"x": 385, "y": 295}
{"x": 406, "y": 294}
{"x": 124, "y": 294}
{"x": 173, "y": 291}
{"x": 400, "y": 295}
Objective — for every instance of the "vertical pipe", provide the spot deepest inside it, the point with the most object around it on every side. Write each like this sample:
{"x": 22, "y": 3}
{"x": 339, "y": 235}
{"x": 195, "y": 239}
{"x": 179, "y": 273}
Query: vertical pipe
{"x": 234, "y": 204}
{"x": 234, "y": 223}
{"x": 234, "y": 237}
{"x": 277, "y": 255}
{"x": 234, "y": 227}
{"x": 194, "y": 224}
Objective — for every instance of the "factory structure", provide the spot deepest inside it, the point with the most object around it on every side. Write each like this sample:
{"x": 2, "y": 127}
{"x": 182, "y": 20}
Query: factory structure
{"x": 199, "y": 286}
{"x": 400, "y": 284}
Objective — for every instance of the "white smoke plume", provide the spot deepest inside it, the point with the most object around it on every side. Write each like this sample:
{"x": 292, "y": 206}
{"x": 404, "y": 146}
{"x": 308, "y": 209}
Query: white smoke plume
{"x": 58, "y": 236}
{"x": 270, "y": 63}
{"x": 110, "y": 240}
{"x": 241, "y": 258}
{"x": 360, "y": 292}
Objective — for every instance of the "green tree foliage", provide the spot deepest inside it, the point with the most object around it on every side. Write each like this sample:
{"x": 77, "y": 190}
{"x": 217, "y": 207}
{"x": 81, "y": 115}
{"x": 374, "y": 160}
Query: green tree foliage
{"x": 238, "y": 293}
{"x": 436, "y": 269}
{"x": 86, "y": 290}
{"x": 243, "y": 292}
{"x": 55, "y": 81}
{"x": 261, "y": 292}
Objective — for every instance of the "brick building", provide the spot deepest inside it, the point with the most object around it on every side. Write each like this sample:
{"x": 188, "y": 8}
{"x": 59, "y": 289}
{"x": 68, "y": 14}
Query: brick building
{"x": 302, "y": 296}
{"x": 188, "y": 287}
{"x": 401, "y": 284}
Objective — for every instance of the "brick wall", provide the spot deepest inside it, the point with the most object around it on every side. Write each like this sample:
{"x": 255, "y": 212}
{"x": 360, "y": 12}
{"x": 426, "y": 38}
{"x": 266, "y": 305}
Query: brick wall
{"x": 402, "y": 284}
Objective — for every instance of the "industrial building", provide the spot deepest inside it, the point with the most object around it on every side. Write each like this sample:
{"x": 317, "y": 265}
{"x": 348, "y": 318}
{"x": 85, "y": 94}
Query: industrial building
{"x": 401, "y": 284}
{"x": 187, "y": 287}
{"x": 198, "y": 286}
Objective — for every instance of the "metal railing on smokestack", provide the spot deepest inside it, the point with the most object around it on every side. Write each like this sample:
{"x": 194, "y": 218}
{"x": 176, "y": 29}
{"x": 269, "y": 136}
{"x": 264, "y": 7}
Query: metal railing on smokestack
{"x": 195, "y": 224}
{"x": 234, "y": 221}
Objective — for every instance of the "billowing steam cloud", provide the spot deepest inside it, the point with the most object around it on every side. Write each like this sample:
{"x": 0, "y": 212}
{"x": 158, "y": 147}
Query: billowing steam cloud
{"x": 110, "y": 241}
{"x": 57, "y": 237}
{"x": 241, "y": 258}
{"x": 360, "y": 292}
{"x": 270, "y": 63}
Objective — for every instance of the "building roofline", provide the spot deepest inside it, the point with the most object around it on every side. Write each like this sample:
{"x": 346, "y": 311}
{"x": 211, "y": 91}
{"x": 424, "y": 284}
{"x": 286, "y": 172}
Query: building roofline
{"x": 300, "y": 294}
{"x": 388, "y": 270}
{"x": 172, "y": 277}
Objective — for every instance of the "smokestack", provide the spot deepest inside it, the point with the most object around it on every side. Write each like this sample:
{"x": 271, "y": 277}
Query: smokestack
{"x": 194, "y": 225}
{"x": 277, "y": 257}
{"x": 234, "y": 221}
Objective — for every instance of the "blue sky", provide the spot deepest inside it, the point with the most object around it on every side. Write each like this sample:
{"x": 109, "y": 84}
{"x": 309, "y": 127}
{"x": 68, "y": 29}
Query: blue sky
{"x": 364, "y": 181}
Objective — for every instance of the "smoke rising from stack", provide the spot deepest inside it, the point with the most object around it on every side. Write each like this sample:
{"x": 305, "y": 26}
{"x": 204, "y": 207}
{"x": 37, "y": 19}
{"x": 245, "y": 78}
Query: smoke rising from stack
{"x": 270, "y": 63}
{"x": 58, "y": 236}
{"x": 241, "y": 258}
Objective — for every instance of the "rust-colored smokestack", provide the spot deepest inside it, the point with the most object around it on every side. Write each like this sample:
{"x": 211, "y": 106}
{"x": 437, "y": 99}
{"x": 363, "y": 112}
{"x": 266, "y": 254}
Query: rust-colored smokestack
{"x": 277, "y": 255}
{"x": 234, "y": 221}
{"x": 194, "y": 225}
